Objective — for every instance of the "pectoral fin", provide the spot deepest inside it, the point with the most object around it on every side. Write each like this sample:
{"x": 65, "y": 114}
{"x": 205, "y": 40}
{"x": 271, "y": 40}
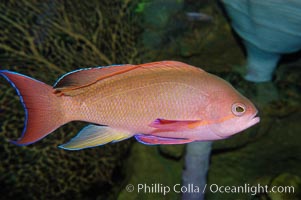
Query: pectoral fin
{"x": 152, "y": 140}
{"x": 176, "y": 125}
{"x": 93, "y": 135}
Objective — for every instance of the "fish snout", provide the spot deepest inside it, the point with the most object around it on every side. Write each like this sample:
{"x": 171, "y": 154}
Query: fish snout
{"x": 253, "y": 119}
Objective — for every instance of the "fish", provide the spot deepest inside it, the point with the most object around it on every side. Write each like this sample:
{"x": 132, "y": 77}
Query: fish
{"x": 164, "y": 102}
{"x": 198, "y": 16}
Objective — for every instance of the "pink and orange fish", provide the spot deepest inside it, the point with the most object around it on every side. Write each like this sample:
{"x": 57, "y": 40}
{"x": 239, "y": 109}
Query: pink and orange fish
{"x": 164, "y": 102}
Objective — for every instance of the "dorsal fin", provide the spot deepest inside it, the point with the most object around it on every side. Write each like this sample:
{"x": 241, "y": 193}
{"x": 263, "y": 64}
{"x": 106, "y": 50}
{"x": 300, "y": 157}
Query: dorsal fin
{"x": 70, "y": 82}
{"x": 85, "y": 77}
{"x": 169, "y": 64}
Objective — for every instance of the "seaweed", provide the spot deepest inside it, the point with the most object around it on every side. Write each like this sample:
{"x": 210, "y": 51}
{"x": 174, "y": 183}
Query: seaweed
{"x": 45, "y": 39}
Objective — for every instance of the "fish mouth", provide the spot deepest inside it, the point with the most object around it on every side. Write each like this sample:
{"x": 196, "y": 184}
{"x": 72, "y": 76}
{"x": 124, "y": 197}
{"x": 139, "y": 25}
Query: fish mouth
{"x": 243, "y": 124}
{"x": 254, "y": 119}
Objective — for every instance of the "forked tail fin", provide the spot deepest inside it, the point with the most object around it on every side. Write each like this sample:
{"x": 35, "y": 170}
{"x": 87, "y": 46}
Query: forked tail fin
{"x": 42, "y": 107}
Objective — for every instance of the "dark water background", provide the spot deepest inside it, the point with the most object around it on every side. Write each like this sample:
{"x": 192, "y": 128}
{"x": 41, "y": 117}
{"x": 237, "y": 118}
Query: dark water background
{"x": 45, "y": 39}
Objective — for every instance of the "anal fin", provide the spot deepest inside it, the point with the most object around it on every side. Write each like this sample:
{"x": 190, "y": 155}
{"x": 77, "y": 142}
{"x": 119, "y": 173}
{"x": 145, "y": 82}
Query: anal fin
{"x": 94, "y": 135}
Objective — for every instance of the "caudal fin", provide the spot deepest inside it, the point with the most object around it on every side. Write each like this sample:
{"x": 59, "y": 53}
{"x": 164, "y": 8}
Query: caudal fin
{"x": 42, "y": 109}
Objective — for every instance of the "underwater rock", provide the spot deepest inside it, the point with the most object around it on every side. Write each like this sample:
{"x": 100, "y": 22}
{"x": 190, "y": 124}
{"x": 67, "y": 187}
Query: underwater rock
{"x": 266, "y": 92}
{"x": 172, "y": 151}
{"x": 286, "y": 186}
{"x": 156, "y": 16}
{"x": 147, "y": 166}
{"x": 268, "y": 29}
{"x": 282, "y": 182}
{"x": 157, "y": 13}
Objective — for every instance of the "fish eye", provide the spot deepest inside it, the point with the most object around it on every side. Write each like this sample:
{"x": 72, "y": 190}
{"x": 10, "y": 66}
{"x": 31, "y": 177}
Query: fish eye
{"x": 238, "y": 109}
